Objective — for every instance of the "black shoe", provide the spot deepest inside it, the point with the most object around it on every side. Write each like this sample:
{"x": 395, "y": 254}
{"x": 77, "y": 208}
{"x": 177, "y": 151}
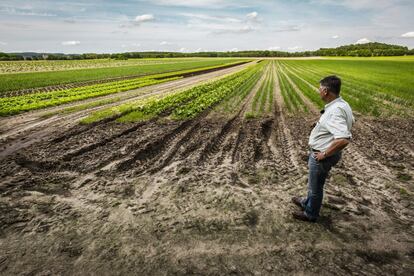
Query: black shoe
{"x": 302, "y": 216}
{"x": 298, "y": 201}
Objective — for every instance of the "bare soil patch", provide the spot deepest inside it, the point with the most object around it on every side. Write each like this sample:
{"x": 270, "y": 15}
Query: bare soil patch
{"x": 205, "y": 196}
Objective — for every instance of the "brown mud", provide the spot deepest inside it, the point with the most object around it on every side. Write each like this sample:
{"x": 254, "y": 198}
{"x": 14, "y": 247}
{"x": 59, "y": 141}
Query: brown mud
{"x": 208, "y": 196}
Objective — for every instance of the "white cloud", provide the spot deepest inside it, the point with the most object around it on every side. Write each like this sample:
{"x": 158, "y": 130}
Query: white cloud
{"x": 71, "y": 43}
{"x": 335, "y": 36}
{"x": 408, "y": 35}
{"x": 234, "y": 50}
{"x": 363, "y": 41}
{"x": 183, "y": 50}
{"x": 144, "y": 18}
{"x": 274, "y": 48}
{"x": 163, "y": 43}
{"x": 3, "y": 43}
{"x": 252, "y": 16}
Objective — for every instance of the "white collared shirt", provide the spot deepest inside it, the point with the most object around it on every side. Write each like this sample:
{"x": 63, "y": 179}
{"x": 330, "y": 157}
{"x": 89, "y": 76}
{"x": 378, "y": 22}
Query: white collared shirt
{"x": 336, "y": 122}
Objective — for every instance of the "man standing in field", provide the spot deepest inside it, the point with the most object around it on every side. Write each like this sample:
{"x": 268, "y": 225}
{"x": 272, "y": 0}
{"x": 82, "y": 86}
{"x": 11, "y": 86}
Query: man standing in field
{"x": 329, "y": 136}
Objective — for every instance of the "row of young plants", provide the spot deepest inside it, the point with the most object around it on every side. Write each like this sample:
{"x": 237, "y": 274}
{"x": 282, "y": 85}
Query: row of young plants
{"x": 8, "y": 67}
{"x": 363, "y": 99}
{"x": 307, "y": 90}
{"x": 293, "y": 101}
{"x": 182, "y": 104}
{"x": 17, "y": 104}
{"x": 233, "y": 101}
{"x": 359, "y": 103}
{"x": 263, "y": 99}
{"x": 367, "y": 97}
{"x": 239, "y": 86}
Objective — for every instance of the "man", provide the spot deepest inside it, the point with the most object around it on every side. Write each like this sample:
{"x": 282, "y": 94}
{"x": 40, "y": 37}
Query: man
{"x": 329, "y": 136}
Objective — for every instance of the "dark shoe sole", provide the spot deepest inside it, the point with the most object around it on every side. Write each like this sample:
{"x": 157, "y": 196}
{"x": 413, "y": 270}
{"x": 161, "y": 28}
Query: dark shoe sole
{"x": 301, "y": 216}
{"x": 297, "y": 202}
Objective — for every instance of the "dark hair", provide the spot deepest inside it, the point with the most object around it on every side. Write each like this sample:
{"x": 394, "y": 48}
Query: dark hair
{"x": 333, "y": 83}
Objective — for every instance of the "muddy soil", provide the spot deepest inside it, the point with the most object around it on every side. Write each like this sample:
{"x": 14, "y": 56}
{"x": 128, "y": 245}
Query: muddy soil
{"x": 208, "y": 196}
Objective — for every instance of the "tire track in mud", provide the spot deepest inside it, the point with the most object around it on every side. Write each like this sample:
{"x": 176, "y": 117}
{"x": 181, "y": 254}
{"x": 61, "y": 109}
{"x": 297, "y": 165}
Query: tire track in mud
{"x": 225, "y": 143}
{"x": 147, "y": 155}
{"x": 30, "y": 129}
{"x": 372, "y": 186}
{"x": 155, "y": 152}
{"x": 284, "y": 138}
{"x": 71, "y": 154}
{"x": 388, "y": 142}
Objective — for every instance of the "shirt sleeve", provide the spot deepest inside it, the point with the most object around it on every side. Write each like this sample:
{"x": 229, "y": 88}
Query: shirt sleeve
{"x": 337, "y": 125}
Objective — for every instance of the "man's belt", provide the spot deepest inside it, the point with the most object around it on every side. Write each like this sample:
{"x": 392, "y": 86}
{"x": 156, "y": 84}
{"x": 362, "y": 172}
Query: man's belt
{"x": 315, "y": 150}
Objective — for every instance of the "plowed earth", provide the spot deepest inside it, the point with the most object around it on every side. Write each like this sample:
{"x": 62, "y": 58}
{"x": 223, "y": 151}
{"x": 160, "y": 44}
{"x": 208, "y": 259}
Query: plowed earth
{"x": 204, "y": 196}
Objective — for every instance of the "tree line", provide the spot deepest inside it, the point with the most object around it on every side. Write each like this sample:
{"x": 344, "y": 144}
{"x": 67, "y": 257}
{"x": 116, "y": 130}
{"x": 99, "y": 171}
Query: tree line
{"x": 353, "y": 50}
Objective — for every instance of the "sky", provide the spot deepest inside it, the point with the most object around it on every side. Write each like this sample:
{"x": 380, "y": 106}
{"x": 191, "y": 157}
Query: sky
{"x": 109, "y": 26}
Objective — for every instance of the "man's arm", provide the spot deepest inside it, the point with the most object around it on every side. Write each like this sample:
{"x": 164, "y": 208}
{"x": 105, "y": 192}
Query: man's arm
{"x": 337, "y": 145}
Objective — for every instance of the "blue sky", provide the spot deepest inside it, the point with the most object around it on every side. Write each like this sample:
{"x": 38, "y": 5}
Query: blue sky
{"x": 109, "y": 26}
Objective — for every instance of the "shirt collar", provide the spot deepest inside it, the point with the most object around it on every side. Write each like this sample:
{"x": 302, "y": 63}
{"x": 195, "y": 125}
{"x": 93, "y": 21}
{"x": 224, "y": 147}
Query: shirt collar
{"x": 339, "y": 99}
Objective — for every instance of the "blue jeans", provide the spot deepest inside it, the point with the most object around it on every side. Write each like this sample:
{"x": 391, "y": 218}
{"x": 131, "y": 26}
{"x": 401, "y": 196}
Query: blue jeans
{"x": 318, "y": 171}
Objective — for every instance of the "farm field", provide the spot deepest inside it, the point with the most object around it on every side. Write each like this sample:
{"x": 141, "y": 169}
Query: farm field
{"x": 29, "y": 81}
{"x": 63, "y": 65}
{"x": 194, "y": 173}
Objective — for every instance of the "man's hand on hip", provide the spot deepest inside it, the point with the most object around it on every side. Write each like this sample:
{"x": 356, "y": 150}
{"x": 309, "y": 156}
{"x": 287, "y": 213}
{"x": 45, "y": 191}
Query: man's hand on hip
{"x": 319, "y": 155}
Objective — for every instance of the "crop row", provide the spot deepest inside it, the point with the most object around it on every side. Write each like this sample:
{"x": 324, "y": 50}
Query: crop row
{"x": 263, "y": 99}
{"x": 365, "y": 95}
{"x": 240, "y": 86}
{"x": 232, "y": 102}
{"x": 361, "y": 102}
{"x": 293, "y": 101}
{"x": 7, "y": 67}
{"x": 14, "y": 105}
{"x": 20, "y": 81}
{"x": 181, "y": 104}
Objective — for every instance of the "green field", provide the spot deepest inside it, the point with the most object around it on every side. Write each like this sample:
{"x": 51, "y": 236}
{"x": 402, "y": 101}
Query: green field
{"x": 8, "y": 67}
{"x": 18, "y": 81}
{"x": 17, "y": 104}
{"x": 373, "y": 86}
